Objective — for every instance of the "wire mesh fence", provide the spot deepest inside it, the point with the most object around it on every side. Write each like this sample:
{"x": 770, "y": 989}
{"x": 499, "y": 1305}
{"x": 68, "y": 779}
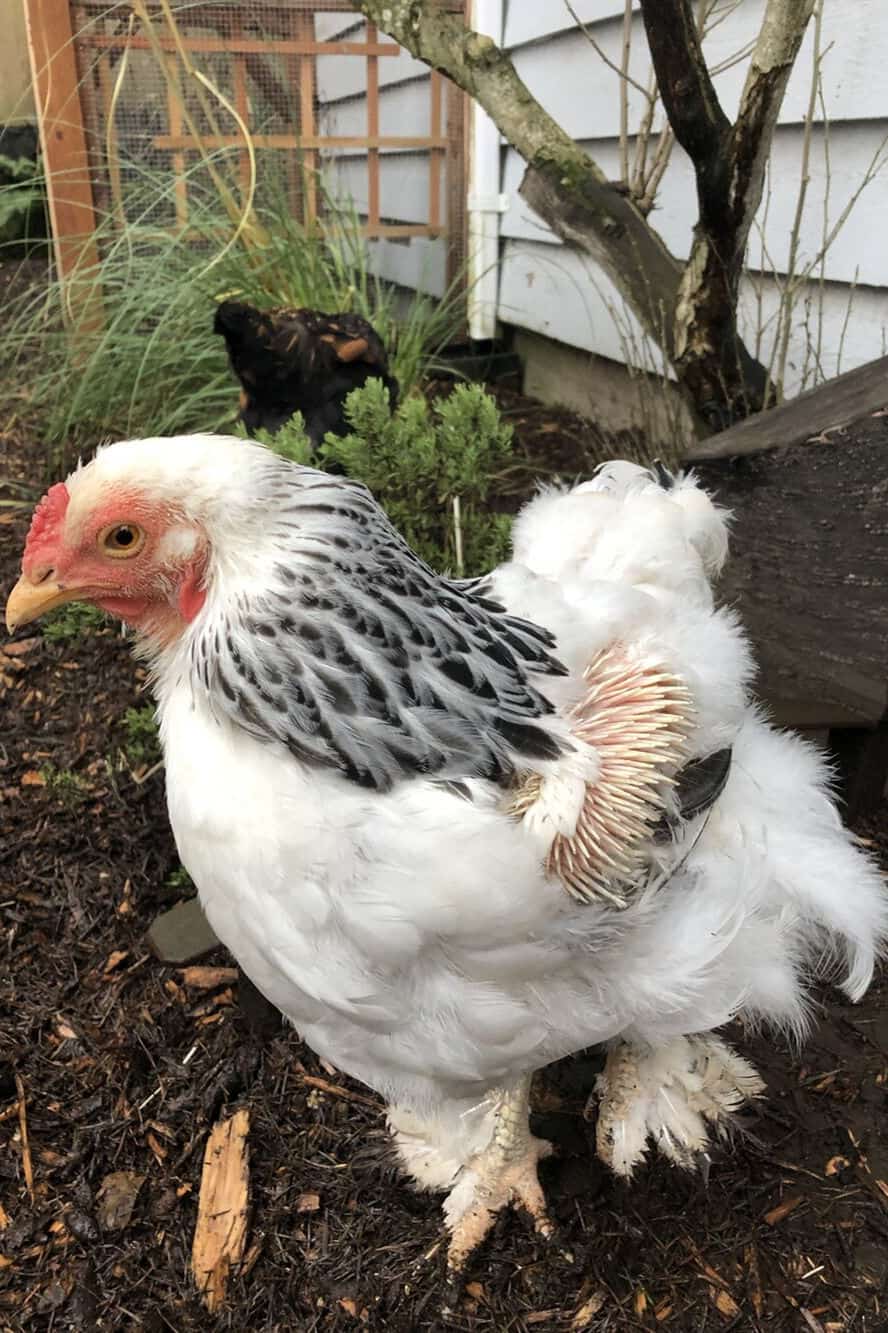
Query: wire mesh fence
{"x": 250, "y": 99}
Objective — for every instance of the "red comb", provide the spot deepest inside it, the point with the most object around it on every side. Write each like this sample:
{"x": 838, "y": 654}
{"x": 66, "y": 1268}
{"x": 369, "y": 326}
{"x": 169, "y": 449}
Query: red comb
{"x": 46, "y": 525}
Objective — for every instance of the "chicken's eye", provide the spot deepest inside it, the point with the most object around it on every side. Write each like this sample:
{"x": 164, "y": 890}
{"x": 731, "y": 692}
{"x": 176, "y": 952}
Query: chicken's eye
{"x": 121, "y": 540}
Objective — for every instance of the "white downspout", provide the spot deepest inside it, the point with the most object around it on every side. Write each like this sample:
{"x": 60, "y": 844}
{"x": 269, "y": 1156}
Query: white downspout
{"x": 485, "y": 201}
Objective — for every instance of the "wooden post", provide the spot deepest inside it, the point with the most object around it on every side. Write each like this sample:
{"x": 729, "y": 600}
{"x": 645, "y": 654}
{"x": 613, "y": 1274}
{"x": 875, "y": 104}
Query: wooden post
{"x": 437, "y": 157}
{"x": 373, "y": 135}
{"x": 63, "y": 141}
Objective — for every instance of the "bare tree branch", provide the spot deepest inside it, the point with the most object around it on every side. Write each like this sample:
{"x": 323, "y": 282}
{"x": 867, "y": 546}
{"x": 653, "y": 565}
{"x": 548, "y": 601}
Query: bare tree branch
{"x": 562, "y": 183}
{"x": 690, "y": 311}
{"x": 729, "y": 164}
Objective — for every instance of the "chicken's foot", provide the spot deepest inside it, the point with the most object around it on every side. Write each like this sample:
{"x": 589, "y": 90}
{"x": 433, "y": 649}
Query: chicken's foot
{"x": 675, "y": 1095}
{"x": 505, "y": 1172}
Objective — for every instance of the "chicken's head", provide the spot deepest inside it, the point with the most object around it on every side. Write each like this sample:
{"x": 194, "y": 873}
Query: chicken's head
{"x": 121, "y": 540}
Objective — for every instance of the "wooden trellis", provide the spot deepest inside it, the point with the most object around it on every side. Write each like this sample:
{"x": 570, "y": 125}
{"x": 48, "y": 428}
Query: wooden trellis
{"x": 73, "y": 47}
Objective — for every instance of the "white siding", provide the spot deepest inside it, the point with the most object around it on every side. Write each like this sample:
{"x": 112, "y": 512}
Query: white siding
{"x": 547, "y": 289}
{"x": 404, "y": 109}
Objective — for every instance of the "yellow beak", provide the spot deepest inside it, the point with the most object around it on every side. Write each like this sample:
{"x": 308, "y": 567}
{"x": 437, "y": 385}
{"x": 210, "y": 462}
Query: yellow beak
{"x": 28, "y": 601}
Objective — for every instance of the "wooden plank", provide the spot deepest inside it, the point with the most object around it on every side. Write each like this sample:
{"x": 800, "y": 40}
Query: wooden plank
{"x": 831, "y": 406}
{"x": 297, "y": 141}
{"x": 288, "y": 46}
{"x": 373, "y": 130}
{"x": 63, "y": 141}
{"x": 809, "y": 572}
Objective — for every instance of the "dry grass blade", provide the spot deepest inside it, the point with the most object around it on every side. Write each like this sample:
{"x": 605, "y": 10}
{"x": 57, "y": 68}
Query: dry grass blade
{"x": 221, "y": 1232}
{"x": 27, "y": 1164}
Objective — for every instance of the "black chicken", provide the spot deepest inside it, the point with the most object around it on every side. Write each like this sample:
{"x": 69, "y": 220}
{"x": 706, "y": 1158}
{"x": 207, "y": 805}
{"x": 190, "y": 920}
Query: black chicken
{"x": 300, "y": 361}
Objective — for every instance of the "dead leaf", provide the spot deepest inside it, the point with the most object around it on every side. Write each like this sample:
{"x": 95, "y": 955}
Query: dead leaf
{"x": 835, "y": 1165}
{"x": 641, "y": 1301}
{"x": 662, "y": 1312}
{"x": 221, "y": 1232}
{"x": 33, "y": 779}
{"x": 4, "y": 1218}
{"x": 308, "y": 1203}
{"x": 782, "y": 1210}
{"x": 65, "y": 1031}
{"x": 117, "y": 1199}
{"x": 588, "y": 1310}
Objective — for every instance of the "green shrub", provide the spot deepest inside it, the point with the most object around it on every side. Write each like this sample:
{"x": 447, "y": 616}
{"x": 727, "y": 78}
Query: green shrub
{"x": 416, "y": 462}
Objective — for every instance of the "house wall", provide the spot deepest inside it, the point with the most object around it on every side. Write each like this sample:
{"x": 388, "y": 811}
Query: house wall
{"x": 841, "y": 315}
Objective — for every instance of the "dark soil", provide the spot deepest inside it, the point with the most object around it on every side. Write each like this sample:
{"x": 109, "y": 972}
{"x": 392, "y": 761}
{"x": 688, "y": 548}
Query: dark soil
{"x": 110, "y": 1062}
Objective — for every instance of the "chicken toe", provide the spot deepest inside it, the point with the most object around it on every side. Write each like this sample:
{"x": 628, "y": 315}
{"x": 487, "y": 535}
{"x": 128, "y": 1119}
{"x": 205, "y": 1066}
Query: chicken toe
{"x": 504, "y": 1172}
{"x": 676, "y": 1095}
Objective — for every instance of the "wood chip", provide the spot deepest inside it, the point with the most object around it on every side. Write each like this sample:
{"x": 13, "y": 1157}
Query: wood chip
{"x": 114, "y": 960}
{"x": 835, "y": 1165}
{"x": 724, "y": 1303}
{"x": 782, "y": 1210}
{"x": 116, "y": 1199}
{"x": 308, "y": 1203}
{"x": 208, "y": 978}
{"x": 588, "y": 1310}
{"x": 20, "y": 647}
{"x": 221, "y": 1233}
{"x": 33, "y": 779}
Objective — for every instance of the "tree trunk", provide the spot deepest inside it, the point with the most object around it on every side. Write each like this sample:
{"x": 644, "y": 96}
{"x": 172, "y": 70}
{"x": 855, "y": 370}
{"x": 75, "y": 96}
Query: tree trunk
{"x": 689, "y": 311}
{"x": 709, "y": 357}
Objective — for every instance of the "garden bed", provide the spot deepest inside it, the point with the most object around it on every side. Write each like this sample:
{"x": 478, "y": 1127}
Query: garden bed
{"x": 112, "y": 1062}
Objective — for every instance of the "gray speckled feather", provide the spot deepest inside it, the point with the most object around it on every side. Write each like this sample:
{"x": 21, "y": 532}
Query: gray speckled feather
{"x": 360, "y": 658}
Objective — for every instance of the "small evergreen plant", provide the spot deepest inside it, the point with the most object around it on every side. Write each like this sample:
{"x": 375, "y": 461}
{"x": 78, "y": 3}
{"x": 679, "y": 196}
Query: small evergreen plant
{"x": 416, "y": 462}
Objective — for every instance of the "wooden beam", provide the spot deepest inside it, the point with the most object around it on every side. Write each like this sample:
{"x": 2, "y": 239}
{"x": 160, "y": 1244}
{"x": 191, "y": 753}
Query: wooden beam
{"x": 393, "y": 141}
{"x": 63, "y": 141}
{"x": 372, "y": 130}
{"x": 831, "y": 406}
{"x": 809, "y": 572}
{"x": 287, "y": 46}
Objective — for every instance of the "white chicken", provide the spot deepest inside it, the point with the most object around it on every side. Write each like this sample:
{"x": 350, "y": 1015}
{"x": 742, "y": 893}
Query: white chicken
{"x": 454, "y": 842}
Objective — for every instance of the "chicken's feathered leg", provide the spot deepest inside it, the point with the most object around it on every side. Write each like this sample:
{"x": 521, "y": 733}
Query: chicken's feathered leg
{"x": 505, "y": 1172}
{"x": 674, "y": 1095}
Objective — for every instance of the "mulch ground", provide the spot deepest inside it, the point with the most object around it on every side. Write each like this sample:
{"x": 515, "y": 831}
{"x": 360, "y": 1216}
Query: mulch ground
{"x": 113, "y": 1068}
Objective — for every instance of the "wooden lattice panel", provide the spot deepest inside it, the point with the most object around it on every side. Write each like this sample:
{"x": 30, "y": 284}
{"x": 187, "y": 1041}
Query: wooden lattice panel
{"x": 86, "y": 58}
